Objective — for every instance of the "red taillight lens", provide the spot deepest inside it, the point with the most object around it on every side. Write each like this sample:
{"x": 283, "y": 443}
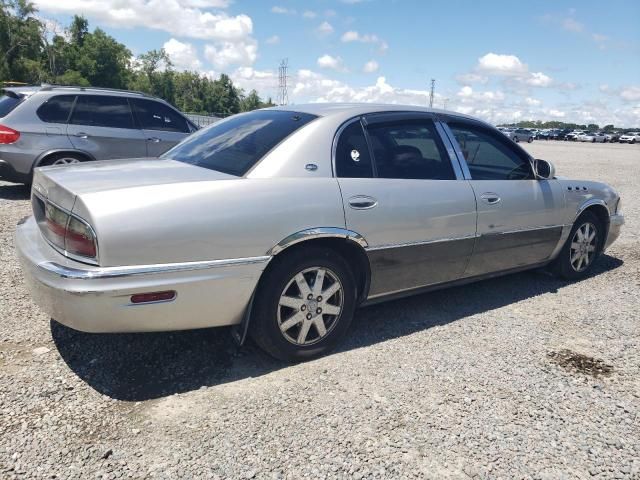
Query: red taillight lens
{"x": 68, "y": 232}
{"x": 8, "y": 135}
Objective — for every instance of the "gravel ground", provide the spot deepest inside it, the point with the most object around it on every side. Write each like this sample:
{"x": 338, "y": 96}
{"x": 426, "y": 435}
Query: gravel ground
{"x": 481, "y": 381}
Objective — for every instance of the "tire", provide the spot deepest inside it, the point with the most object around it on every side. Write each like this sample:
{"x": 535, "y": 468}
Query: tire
{"x": 632, "y": 141}
{"x": 280, "y": 302}
{"x": 576, "y": 270}
{"x": 530, "y": 140}
{"x": 62, "y": 159}
{"x": 515, "y": 139}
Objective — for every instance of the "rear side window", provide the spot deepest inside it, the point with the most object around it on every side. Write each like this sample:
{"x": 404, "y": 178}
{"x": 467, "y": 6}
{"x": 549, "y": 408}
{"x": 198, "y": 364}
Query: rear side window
{"x": 102, "y": 111}
{"x": 235, "y": 145}
{"x": 156, "y": 116}
{"x": 8, "y": 103}
{"x": 410, "y": 150}
{"x": 56, "y": 109}
{"x": 352, "y": 153}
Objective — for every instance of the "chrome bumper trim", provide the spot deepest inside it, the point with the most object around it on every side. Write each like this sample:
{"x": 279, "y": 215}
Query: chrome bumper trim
{"x": 135, "y": 270}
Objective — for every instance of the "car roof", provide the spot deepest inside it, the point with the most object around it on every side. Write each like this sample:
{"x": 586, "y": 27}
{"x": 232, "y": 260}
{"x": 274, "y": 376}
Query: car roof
{"x": 26, "y": 91}
{"x": 354, "y": 109}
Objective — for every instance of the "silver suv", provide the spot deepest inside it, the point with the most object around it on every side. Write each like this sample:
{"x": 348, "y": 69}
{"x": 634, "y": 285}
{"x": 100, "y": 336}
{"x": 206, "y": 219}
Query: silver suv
{"x": 54, "y": 125}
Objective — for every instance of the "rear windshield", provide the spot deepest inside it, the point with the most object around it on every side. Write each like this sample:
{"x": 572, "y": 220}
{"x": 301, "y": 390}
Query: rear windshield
{"x": 235, "y": 145}
{"x": 8, "y": 103}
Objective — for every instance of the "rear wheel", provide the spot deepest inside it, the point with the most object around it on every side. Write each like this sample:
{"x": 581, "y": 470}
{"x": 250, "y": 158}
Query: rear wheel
{"x": 304, "y": 304}
{"x": 584, "y": 245}
{"x": 515, "y": 139}
{"x": 63, "y": 159}
{"x": 530, "y": 140}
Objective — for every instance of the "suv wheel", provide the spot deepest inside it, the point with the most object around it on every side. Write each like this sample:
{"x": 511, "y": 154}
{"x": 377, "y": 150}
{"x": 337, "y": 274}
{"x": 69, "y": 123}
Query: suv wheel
{"x": 304, "y": 305}
{"x": 62, "y": 159}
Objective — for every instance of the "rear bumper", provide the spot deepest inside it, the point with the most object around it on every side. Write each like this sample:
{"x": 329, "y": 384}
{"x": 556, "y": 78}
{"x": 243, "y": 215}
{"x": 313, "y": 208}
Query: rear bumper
{"x": 95, "y": 299}
{"x": 615, "y": 226}
{"x": 8, "y": 173}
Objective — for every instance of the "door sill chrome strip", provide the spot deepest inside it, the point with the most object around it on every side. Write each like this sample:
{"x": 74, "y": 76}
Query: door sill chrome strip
{"x": 135, "y": 270}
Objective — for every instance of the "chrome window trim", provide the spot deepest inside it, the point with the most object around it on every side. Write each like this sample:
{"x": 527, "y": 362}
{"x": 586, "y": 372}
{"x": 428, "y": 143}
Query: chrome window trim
{"x": 336, "y": 139}
{"x": 136, "y": 270}
{"x": 320, "y": 232}
{"x": 63, "y": 251}
{"x": 456, "y": 148}
{"x": 446, "y": 143}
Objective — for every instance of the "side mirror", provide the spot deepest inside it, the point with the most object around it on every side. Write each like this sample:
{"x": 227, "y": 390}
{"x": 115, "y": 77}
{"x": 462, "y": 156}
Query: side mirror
{"x": 544, "y": 169}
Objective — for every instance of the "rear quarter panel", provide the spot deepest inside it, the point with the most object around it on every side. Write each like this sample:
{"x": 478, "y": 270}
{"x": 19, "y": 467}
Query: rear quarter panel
{"x": 206, "y": 220}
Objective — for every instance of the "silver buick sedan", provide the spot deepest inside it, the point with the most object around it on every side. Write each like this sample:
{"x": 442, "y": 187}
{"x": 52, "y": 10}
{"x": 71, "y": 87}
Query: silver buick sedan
{"x": 283, "y": 221}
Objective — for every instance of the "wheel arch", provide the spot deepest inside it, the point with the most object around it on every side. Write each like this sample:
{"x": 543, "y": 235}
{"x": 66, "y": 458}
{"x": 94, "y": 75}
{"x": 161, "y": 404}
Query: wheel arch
{"x": 71, "y": 151}
{"x": 599, "y": 209}
{"x": 347, "y": 243}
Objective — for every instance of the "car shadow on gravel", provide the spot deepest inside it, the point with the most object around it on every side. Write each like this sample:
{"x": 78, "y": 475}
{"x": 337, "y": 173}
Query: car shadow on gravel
{"x": 14, "y": 192}
{"x": 144, "y": 366}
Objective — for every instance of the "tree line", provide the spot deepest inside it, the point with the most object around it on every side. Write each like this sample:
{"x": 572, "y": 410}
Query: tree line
{"x": 34, "y": 51}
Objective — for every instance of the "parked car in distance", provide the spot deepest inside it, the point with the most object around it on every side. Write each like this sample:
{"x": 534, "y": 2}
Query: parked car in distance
{"x": 520, "y": 135}
{"x": 573, "y": 136}
{"x": 56, "y": 125}
{"x": 560, "y": 134}
{"x": 544, "y": 135}
{"x": 282, "y": 221}
{"x": 630, "y": 137}
{"x": 612, "y": 137}
{"x": 593, "y": 137}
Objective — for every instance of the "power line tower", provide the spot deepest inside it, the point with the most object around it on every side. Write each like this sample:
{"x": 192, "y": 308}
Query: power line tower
{"x": 283, "y": 95}
{"x": 433, "y": 86}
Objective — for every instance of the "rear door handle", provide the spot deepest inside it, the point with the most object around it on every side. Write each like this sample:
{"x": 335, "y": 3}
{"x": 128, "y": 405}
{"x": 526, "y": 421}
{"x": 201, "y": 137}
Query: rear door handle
{"x": 154, "y": 139}
{"x": 490, "y": 198}
{"x": 82, "y": 135}
{"x": 362, "y": 202}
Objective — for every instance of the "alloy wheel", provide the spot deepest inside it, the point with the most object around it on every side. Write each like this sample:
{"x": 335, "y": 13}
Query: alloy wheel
{"x": 66, "y": 161}
{"x": 583, "y": 246}
{"x": 310, "y": 306}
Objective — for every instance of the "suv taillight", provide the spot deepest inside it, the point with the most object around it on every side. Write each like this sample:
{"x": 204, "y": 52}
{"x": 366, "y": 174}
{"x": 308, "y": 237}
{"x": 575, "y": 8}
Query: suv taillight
{"x": 68, "y": 232}
{"x": 8, "y": 135}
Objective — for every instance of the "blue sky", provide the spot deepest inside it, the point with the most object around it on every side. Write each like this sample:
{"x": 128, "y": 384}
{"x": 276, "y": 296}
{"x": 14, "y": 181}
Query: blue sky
{"x": 500, "y": 60}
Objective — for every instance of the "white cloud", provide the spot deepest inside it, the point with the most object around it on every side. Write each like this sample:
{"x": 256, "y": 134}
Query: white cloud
{"x": 333, "y": 63}
{"x": 181, "y": 18}
{"x": 572, "y": 25}
{"x": 273, "y": 40}
{"x": 467, "y": 78}
{"x": 224, "y": 54}
{"x": 496, "y": 64}
{"x": 282, "y": 10}
{"x": 532, "y": 102}
{"x": 309, "y": 14}
{"x": 538, "y": 79}
{"x": 355, "y": 36}
{"x": 182, "y": 55}
{"x": 325, "y": 28}
{"x": 370, "y": 67}
{"x": 631, "y": 93}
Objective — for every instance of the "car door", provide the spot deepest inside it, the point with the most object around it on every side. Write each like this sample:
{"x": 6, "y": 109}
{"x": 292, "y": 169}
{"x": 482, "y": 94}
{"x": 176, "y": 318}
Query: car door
{"x": 103, "y": 125}
{"x": 520, "y": 218}
{"x": 403, "y": 191}
{"x": 162, "y": 126}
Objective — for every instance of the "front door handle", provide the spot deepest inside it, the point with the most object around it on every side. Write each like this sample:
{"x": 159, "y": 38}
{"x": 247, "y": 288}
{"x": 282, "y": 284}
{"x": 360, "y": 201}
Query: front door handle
{"x": 362, "y": 202}
{"x": 490, "y": 198}
{"x": 82, "y": 135}
{"x": 153, "y": 140}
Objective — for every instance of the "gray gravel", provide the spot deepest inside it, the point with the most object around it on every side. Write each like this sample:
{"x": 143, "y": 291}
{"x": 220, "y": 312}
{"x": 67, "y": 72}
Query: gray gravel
{"x": 470, "y": 382}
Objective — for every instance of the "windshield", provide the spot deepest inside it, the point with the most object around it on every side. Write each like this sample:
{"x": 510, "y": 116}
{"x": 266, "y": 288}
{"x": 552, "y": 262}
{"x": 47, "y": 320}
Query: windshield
{"x": 8, "y": 103}
{"x": 235, "y": 145}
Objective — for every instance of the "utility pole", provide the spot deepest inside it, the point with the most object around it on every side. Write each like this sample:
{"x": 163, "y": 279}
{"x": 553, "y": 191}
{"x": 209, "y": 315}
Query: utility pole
{"x": 433, "y": 86}
{"x": 283, "y": 95}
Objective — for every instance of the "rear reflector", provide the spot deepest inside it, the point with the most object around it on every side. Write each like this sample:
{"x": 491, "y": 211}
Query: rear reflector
{"x": 8, "y": 135}
{"x": 153, "y": 297}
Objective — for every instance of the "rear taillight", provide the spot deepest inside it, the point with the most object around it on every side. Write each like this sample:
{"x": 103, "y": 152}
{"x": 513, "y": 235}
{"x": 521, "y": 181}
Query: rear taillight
{"x": 8, "y": 135}
{"x": 68, "y": 232}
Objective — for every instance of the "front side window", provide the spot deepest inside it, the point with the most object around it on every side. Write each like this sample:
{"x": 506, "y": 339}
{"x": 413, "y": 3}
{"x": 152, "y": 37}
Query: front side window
{"x": 56, "y": 109}
{"x": 102, "y": 111}
{"x": 409, "y": 150}
{"x": 154, "y": 115}
{"x": 352, "y": 153}
{"x": 488, "y": 156}
{"x": 236, "y": 144}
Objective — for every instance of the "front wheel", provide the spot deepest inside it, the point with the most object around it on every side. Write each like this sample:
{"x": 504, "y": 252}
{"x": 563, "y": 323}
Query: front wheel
{"x": 530, "y": 140}
{"x": 582, "y": 248}
{"x": 304, "y": 304}
{"x": 515, "y": 139}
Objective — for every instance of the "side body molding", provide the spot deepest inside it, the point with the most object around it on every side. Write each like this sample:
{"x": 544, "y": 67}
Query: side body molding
{"x": 319, "y": 232}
